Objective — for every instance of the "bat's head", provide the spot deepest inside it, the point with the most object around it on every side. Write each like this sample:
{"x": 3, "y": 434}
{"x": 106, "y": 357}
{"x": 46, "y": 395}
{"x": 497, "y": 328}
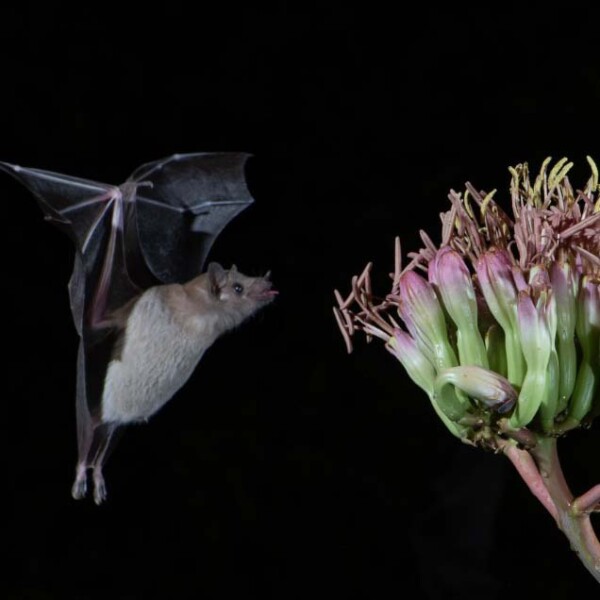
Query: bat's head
{"x": 239, "y": 294}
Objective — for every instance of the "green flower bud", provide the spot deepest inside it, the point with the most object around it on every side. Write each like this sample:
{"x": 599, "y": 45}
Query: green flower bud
{"x": 490, "y": 388}
{"x": 417, "y": 365}
{"x": 537, "y": 346}
{"x": 422, "y": 372}
{"x": 497, "y": 282}
{"x": 458, "y": 295}
{"x": 588, "y": 333}
{"x": 421, "y": 312}
{"x": 563, "y": 286}
{"x": 496, "y": 349}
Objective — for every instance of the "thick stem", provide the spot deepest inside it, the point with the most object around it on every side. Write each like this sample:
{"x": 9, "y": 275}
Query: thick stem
{"x": 527, "y": 469}
{"x": 573, "y": 523}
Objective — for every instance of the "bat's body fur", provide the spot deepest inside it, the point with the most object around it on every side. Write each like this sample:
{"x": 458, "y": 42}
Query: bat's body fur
{"x": 160, "y": 351}
{"x": 166, "y": 335}
{"x": 165, "y": 332}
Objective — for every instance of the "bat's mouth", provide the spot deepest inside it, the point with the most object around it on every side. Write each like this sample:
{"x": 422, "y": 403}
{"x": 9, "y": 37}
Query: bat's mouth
{"x": 263, "y": 290}
{"x": 267, "y": 294}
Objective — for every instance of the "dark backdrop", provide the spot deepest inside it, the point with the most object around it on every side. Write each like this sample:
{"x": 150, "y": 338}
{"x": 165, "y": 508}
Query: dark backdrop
{"x": 284, "y": 469}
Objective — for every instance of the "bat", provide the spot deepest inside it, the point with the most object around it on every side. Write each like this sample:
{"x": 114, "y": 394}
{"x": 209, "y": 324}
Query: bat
{"x": 144, "y": 311}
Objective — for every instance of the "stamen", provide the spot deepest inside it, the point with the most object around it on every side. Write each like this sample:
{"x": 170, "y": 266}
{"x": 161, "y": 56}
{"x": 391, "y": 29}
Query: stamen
{"x": 343, "y": 331}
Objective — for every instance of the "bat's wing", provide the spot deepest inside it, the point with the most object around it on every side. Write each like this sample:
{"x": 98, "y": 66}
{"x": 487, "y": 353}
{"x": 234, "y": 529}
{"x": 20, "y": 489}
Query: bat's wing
{"x": 183, "y": 202}
{"x": 73, "y": 204}
{"x": 156, "y": 227}
{"x": 94, "y": 216}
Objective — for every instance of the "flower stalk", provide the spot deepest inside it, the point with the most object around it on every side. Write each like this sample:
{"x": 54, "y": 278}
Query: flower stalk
{"x": 573, "y": 522}
{"x": 500, "y": 327}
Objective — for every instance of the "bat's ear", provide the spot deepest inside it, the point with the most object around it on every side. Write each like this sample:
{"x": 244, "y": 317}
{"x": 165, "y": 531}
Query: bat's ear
{"x": 233, "y": 270}
{"x": 217, "y": 277}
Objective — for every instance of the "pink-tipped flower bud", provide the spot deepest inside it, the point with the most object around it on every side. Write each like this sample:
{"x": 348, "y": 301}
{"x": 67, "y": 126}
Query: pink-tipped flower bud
{"x": 420, "y": 310}
{"x": 417, "y": 365}
{"x": 494, "y": 270}
{"x": 458, "y": 295}
{"x": 490, "y": 388}
{"x": 537, "y": 342}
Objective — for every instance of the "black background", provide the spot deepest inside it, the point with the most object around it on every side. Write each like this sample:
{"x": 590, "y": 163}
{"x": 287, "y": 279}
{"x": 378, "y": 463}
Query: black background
{"x": 285, "y": 468}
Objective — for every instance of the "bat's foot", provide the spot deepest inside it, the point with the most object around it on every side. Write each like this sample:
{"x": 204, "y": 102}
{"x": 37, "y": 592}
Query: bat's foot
{"x": 99, "y": 486}
{"x": 79, "y": 489}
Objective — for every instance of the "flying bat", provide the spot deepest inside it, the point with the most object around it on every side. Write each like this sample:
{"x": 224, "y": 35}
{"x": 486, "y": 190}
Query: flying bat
{"x": 144, "y": 310}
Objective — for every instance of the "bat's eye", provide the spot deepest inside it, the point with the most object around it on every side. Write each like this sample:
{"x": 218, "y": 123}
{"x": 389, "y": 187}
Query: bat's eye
{"x": 238, "y": 288}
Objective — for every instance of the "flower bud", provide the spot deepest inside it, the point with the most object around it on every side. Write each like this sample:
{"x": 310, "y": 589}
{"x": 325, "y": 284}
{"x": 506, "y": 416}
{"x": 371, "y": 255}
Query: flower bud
{"x": 422, "y": 372}
{"x": 496, "y": 349}
{"x": 495, "y": 273}
{"x": 490, "y": 388}
{"x": 417, "y": 365}
{"x": 420, "y": 310}
{"x": 458, "y": 295}
{"x": 563, "y": 286}
{"x": 588, "y": 333}
{"x": 537, "y": 346}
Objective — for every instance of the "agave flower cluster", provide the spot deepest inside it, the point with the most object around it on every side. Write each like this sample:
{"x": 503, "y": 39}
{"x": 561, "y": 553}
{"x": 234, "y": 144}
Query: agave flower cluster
{"x": 500, "y": 324}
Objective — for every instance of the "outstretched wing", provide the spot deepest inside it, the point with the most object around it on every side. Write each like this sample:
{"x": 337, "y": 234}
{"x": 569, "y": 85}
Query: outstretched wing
{"x": 183, "y": 202}
{"x": 94, "y": 215}
{"x": 71, "y": 203}
{"x": 157, "y": 227}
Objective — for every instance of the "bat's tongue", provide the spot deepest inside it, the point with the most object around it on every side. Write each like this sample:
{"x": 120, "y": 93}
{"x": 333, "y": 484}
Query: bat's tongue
{"x": 268, "y": 294}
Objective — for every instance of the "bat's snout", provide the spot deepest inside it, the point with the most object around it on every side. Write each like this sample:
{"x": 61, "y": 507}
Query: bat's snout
{"x": 264, "y": 291}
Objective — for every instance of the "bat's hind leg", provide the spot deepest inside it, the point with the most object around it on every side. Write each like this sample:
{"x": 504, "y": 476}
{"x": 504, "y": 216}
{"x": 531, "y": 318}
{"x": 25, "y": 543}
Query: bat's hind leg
{"x": 93, "y": 452}
{"x": 79, "y": 489}
{"x": 104, "y": 448}
{"x": 85, "y": 436}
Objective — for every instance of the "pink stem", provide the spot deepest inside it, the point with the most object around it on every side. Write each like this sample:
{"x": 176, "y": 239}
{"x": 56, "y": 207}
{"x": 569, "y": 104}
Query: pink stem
{"x": 587, "y": 502}
{"x": 576, "y": 526}
{"x": 527, "y": 469}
